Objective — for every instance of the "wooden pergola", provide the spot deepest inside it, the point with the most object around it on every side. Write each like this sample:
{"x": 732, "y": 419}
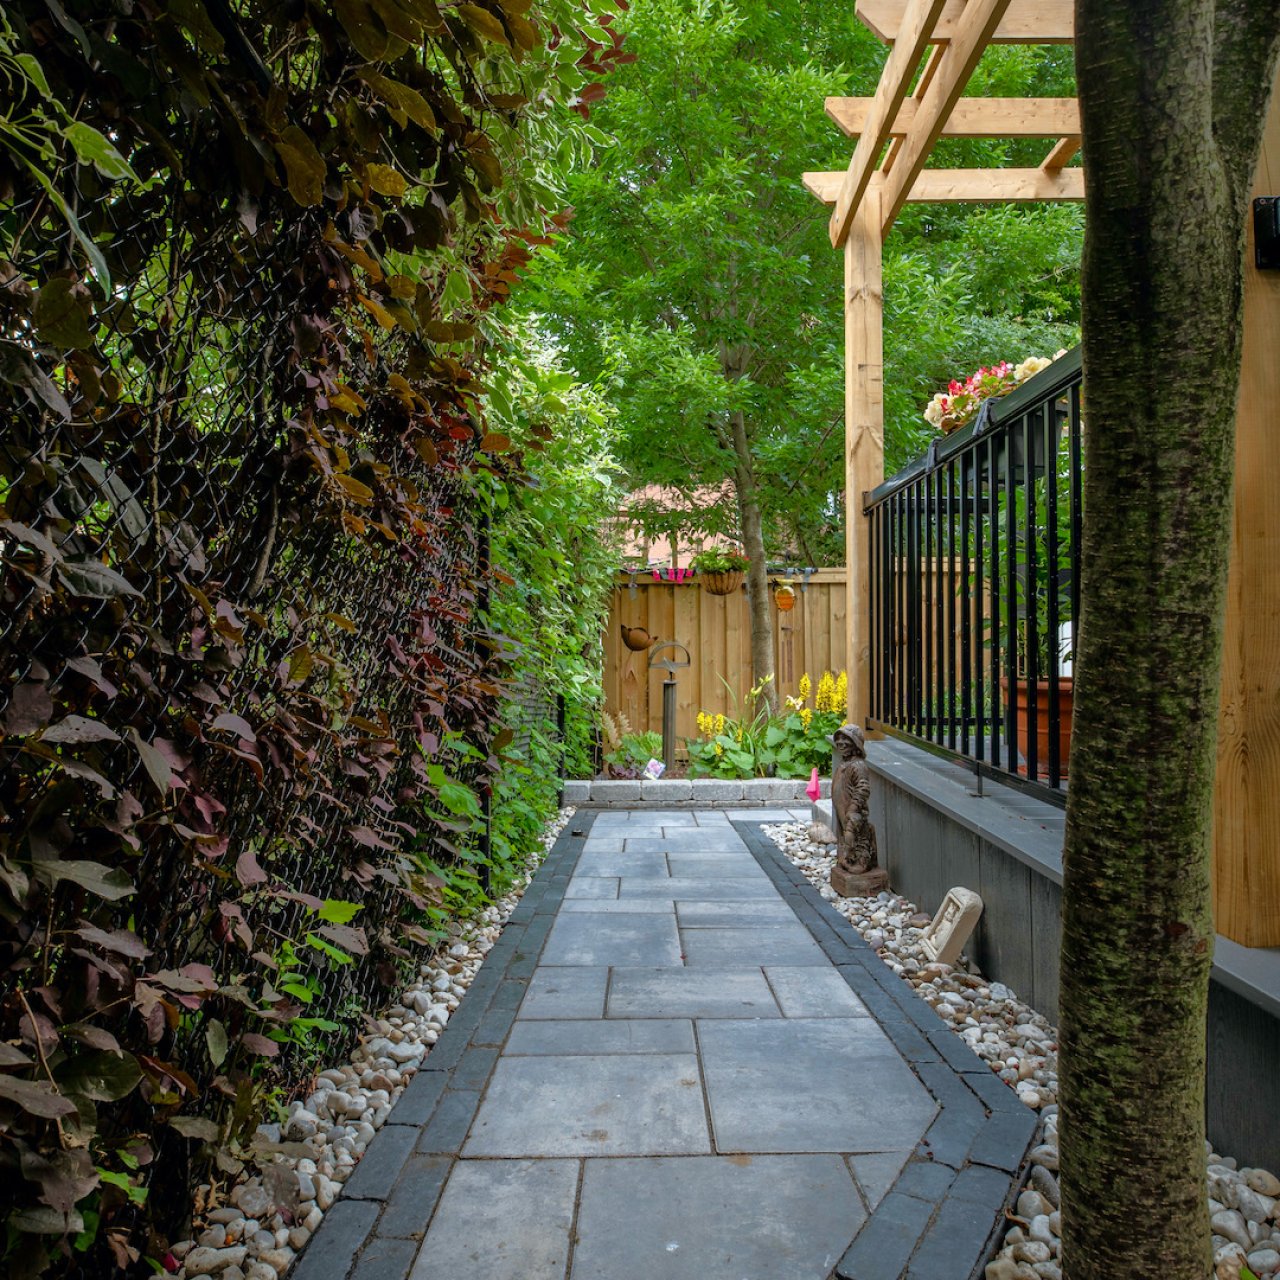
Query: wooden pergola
{"x": 935, "y": 46}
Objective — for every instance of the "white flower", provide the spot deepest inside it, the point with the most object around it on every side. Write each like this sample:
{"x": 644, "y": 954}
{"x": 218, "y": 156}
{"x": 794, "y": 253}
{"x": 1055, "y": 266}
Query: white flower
{"x": 933, "y": 413}
{"x": 1030, "y": 367}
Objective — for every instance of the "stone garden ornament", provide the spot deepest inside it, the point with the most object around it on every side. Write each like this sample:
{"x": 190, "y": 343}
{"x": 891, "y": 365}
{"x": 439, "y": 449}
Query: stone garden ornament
{"x": 949, "y": 930}
{"x": 857, "y": 872}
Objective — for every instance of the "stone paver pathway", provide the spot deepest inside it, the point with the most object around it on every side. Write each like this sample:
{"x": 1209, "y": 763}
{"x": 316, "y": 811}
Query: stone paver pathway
{"x": 678, "y": 1064}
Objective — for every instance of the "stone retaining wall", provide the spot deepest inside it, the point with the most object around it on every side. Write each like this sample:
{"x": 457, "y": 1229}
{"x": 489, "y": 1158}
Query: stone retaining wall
{"x": 786, "y": 793}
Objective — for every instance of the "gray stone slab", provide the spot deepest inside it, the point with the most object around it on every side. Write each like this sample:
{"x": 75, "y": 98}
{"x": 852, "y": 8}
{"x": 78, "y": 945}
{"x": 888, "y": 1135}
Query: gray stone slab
{"x": 876, "y": 1172}
{"x": 584, "y": 939}
{"x": 621, "y": 864}
{"x": 780, "y": 944}
{"x": 811, "y": 992}
{"x": 667, "y": 789}
{"x": 624, "y": 906}
{"x": 614, "y": 792}
{"x": 698, "y": 866}
{"x": 762, "y": 815}
{"x": 633, "y": 1104}
{"x": 592, "y": 887}
{"x": 501, "y": 1220}
{"x": 780, "y": 1217}
{"x": 712, "y": 817}
{"x": 694, "y": 915}
{"x": 602, "y": 843}
{"x": 581, "y": 1036}
{"x": 566, "y": 993}
{"x": 338, "y": 1239}
{"x": 691, "y": 993}
{"x": 577, "y": 791}
{"x": 726, "y": 890}
{"x": 685, "y": 840}
{"x": 795, "y": 1085}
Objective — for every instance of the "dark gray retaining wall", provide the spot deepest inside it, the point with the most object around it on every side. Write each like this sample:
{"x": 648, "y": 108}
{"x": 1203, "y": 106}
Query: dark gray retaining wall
{"x": 935, "y": 833}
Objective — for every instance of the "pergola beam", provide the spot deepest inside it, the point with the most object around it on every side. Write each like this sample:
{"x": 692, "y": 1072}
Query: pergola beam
{"x": 972, "y": 117}
{"x": 973, "y": 32}
{"x": 976, "y": 186}
{"x": 1062, "y": 154}
{"x": 1025, "y": 22}
{"x": 918, "y": 17}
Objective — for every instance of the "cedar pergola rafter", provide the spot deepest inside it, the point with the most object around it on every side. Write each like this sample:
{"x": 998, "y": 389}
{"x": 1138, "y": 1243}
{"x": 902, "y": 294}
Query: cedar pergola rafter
{"x": 936, "y": 44}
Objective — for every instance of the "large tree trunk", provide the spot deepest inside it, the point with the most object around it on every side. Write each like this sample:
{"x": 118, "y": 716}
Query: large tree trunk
{"x": 1172, "y": 97}
{"x": 751, "y": 522}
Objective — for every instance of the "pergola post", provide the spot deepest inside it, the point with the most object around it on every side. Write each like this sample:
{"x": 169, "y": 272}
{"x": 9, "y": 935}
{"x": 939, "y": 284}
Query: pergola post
{"x": 863, "y": 428}
{"x": 1246, "y": 854}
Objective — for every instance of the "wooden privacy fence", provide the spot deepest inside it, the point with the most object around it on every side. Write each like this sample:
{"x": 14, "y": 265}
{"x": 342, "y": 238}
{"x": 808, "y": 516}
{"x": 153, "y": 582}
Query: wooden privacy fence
{"x": 812, "y": 637}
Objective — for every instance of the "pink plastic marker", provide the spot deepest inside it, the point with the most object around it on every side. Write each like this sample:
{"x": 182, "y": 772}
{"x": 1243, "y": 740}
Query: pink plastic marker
{"x": 814, "y": 789}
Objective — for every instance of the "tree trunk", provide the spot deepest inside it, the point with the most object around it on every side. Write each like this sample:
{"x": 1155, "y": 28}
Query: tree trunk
{"x": 751, "y": 522}
{"x": 1172, "y": 98}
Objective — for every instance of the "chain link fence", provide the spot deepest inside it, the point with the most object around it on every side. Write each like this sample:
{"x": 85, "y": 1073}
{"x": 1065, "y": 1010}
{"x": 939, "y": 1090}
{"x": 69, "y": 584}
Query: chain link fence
{"x": 234, "y": 643}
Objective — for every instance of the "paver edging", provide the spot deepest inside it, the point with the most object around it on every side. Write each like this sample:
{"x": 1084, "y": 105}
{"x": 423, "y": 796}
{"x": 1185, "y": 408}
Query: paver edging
{"x": 344, "y": 1239}
{"x": 981, "y": 1135}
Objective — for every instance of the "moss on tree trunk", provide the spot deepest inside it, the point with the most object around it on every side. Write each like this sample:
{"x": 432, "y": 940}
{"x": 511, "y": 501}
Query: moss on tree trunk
{"x": 1172, "y": 96}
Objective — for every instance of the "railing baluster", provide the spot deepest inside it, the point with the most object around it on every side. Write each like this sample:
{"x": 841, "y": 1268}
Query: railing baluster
{"x": 974, "y": 572}
{"x": 1049, "y": 429}
{"x": 965, "y": 603}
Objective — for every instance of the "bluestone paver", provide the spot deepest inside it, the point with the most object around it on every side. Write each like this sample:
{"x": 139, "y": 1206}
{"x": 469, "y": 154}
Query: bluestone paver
{"x": 691, "y": 993}
{"x": 584, "y": 939}
{"x": 678, "y": 1062}
{"x": 582, "y": 1036}
{"x": 501, "y": 1220}
{"x": 787, "y": 1086}
{"x": 714, "y": 1218}
{"x": 592, "y": 1105}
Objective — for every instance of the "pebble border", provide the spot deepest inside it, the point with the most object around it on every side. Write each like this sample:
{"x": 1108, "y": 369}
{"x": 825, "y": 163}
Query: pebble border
{"x": 941, "y": 1218}
{"x": 253, "y": 1231}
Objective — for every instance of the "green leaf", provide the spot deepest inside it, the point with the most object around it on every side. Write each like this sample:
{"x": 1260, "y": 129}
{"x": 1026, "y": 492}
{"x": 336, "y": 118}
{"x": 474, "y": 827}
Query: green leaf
{"x": 62, "y": 312}
{"x": 94, "y": 580}
{"x": 195, "y": 1127}
{"x": 483, "y": 23}
{"x": 215, "y": 1038}
{"x": 334, "y": 953}
{"x": 304, "y": 166}
{"x": 34, "y": 73}
{"x": 92, "y": 148}
{"x": 110, "y": 883}
{"x": 335, "y": 911}
{"x": 104, "y": 1076}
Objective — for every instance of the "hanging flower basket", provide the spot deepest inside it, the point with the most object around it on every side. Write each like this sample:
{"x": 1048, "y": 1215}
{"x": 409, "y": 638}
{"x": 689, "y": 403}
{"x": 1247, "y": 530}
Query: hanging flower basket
{"x": 724, "y": 583}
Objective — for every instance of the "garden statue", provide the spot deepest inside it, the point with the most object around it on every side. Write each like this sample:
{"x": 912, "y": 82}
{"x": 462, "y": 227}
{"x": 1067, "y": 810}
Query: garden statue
{"x": 857, "y": 873}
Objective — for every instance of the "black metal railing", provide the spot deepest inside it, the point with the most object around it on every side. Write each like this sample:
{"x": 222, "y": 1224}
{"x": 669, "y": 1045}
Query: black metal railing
{"x": 975, "y": 575}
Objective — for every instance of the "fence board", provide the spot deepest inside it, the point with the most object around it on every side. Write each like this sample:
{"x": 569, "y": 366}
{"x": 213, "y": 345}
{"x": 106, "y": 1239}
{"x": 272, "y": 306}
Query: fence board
{"x": 717, "y": 631}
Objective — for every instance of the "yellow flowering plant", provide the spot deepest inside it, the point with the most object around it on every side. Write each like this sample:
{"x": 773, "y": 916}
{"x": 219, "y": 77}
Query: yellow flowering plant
{"x": 757, "y": 744}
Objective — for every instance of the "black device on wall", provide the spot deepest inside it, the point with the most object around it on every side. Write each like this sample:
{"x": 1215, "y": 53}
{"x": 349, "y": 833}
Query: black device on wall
{"x": 1266, "y": 233}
